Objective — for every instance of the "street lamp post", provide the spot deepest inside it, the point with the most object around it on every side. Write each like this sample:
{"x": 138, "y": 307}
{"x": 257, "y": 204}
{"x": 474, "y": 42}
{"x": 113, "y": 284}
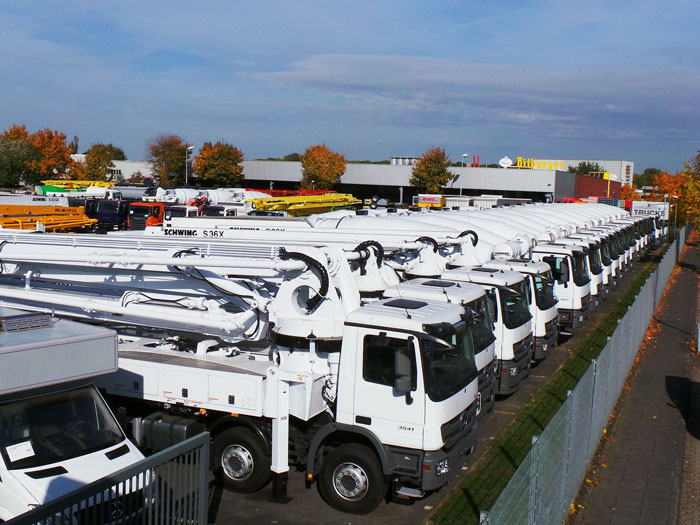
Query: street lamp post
{"x": 188, "y": 151}
{"x": 461, "y": 179}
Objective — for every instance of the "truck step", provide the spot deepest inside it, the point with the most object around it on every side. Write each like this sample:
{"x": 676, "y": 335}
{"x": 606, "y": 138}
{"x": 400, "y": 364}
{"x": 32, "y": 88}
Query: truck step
{"x": 410, "y": 492}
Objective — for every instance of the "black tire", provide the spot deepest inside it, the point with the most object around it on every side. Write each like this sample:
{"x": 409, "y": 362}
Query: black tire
{"x": 240, "y": 461}
{"x": 351, "y": 479}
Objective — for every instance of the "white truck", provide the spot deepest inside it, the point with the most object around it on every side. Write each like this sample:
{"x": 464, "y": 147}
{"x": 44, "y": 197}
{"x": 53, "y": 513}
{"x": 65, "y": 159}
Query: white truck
{"x": 507, "y": 299}
{"x": 272, "y": 351}
{"x": 570, "y": 272}
{"x": 56, "y": 431}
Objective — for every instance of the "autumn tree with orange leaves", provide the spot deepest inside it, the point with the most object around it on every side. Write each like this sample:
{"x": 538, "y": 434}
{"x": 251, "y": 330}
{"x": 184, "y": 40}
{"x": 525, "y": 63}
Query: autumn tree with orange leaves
{"x": 628, "y": 193}
{"x": 430, "y": 173}
{"x": 168, "y": 154}
{"x": 321, "y": 168}
{"x": 219, "y": 165}
{"x": 690, "y": 192}
{"x": 54, "y": 154}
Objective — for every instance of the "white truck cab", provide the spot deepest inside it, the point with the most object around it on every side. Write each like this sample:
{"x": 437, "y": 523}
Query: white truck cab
{"x": 473, "y": 297}
{"x": 541, "y": 298}
{"x": 56, "y": 431}
{"x": 572, "y": 280}
{"x": 507, "y": 297}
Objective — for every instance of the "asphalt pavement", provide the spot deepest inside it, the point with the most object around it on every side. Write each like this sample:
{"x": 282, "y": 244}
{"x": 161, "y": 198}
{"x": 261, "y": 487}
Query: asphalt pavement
{"x": 647, "y": 467}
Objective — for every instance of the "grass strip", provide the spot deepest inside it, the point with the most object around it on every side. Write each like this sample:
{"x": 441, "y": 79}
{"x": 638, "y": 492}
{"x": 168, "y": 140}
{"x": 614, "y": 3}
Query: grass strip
{"x": 481, "y": 486}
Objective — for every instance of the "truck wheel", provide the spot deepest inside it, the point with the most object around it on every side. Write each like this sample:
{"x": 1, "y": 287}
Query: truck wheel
{"x": 239, "y": 459}
{"x": 351, "y": 479}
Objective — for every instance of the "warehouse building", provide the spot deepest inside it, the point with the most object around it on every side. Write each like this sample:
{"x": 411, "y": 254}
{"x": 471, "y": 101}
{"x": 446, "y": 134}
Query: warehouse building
{"x": 391, "y": 182}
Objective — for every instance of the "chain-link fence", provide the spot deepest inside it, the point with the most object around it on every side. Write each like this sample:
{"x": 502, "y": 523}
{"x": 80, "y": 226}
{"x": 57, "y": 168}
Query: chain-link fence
{"x": 549, "y": 477}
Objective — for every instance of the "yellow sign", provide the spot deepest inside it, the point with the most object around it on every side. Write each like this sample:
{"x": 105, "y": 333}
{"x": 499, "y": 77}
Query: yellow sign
{"x": 539, "y": 164}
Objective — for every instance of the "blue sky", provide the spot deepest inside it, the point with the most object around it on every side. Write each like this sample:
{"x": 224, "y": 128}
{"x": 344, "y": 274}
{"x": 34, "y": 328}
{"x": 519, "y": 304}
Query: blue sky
{"x": 539, "y": 78}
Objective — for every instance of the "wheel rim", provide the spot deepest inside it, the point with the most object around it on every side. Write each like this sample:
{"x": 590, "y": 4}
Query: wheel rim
{"x": 350, "y": 481}
{"x": 237, "y": 462}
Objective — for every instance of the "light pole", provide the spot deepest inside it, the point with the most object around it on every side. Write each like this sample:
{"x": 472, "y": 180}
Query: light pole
{"x": 461, "y": 179}
{"x": 188, "y": 151}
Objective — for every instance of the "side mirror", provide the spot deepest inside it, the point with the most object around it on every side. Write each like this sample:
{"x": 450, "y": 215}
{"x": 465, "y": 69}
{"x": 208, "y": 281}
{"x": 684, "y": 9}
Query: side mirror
{"x": 564, "y": 272}
{"x": 402, "y": 373}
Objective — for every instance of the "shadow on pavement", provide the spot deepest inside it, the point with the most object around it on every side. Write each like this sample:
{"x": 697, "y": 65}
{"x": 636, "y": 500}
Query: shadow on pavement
{"x": 685, "y": 396}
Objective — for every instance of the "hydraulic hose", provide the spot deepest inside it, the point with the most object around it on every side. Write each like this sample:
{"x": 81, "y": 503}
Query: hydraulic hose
{"x": 475, "y": 237}
{"x": 364, "y": 252}
{"x": 314, "y": 301}
{"x": 429, "y": 240}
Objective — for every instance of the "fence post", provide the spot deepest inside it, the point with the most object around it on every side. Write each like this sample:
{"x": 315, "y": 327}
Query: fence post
{"x": 594, "y": 363}
{"x": 570, "y": 410}
{"x": 535, "y": 451}
{"x": 203, "y": 474}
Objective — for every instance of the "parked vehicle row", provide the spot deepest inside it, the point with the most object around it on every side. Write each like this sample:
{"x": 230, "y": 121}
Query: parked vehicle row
{"x": 361, "y": 348}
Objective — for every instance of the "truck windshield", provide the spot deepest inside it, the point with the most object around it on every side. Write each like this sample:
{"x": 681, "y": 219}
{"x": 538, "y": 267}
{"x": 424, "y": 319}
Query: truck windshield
{"x": 544, "y": 290}
{"x": 594, "y": 260}
{"x": 141, "y": 211}
{"x": 580, "y": 269}
{"x": 448, "y": 370}
{"x": 482, "y": 329}
{"x": 605, "y": 252}
{"x": 47, "y": 429}
{"x": 514, "y": 307}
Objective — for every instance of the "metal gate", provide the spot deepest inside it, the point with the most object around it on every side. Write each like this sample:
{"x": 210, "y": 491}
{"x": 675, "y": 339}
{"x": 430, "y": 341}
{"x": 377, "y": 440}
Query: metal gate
{"x": 169, "y": 487}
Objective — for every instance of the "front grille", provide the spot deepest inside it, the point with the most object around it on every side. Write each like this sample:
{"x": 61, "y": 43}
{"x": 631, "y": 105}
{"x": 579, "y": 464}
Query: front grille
{"x": 551, "y": 326}
{"x": 137, "y": 223}
{"x": 522, "y": 348}
{"x": 453, "y": 430}
{"x": 125, "y": 508}
{"x": 486, "y": 374}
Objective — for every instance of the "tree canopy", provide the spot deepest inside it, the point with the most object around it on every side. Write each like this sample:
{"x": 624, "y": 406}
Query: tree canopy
{"x": 168, "y": 153}
{"x": 29, "y": 158}
{"x": 689, "y": 203}
{"x": 321, "y": 168}
{"x": 219, "y": 164}
{"x": 646, "y": 178}
{"x": 584, "y": 168}
{"x": 430, "y": 173}
{"x": 98, "y": 163}
{"x": 628, "y": 193}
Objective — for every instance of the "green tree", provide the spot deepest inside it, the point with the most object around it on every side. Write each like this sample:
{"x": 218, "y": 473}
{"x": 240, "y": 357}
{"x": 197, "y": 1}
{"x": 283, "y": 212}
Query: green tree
{"x": 15, "y": 157}
{"x": 321, "y": 168}
{"x": 219, "y": 164}
{"x": 646, "y": 178}
{"x": 98, "y": 162}
{"x": 167, "y": 153}
{"x": 430, "y": 173}
{"x": 74, "y": 145}
{"x": 584, "y": 168}
{"x": 295, "y": 157}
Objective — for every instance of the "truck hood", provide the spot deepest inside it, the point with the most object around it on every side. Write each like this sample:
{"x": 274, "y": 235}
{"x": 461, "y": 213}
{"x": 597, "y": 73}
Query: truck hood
{"x": 80, "y": 471}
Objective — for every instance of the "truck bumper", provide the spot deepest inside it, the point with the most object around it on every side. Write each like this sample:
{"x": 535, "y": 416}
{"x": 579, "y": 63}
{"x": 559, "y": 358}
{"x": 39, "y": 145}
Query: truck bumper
{"x": 545, "y": 344}
{"x": 438, "y": 463}
{"x": 574, "y": 318}
{"x": 512, "y": 373}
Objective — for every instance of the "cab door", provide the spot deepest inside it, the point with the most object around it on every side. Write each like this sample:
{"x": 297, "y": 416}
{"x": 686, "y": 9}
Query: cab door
{"x": 396, "y": 418}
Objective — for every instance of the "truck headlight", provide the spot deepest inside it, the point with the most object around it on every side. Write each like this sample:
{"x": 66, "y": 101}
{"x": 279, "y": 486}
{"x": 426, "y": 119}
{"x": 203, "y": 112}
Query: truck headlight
{"x": 513, "y": 370}
{"x": 442, "y": 467}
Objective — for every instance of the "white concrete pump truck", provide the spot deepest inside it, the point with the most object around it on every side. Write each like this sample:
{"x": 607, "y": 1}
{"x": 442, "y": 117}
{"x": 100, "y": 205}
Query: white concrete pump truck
{"x": 390, "y": 256}
{"x": 272, "y": 351}
{"x": 56, "y": 431}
